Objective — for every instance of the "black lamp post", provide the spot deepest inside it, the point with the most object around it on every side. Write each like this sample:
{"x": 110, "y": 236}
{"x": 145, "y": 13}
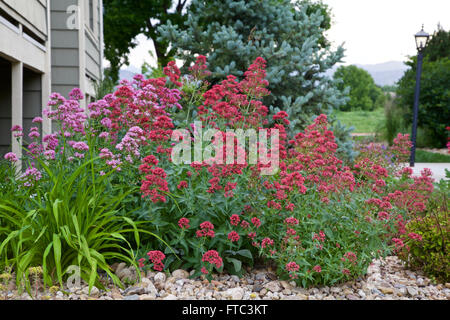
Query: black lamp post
{"x": 421, "y": 41}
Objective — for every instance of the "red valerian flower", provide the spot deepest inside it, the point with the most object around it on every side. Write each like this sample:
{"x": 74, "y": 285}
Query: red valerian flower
{"x": 233, "y": 236}
{"x": 398, "y": 243}
{"x": 206, "y": 230}
{"x": 256, "y": 222}
{"x": 317, "y": 269}
{"x": 172, "y": 71}
{"x": 234, "y": 219}
{"x": 292, "y": 267}
{"x": 291, "y": 221}
{"x": 183, "y": 223}
{"x": 199, "y": 69}
{"x": 154, "y": 185}
{"x": 350, "y": 257}
{"x": 213, "y": 257}
{"x": 204, "y": 271}
{"x": 156, "y": 257}
{"x": 266, "y": 242}
{"x": 383, "y": 215}
{"x": 182, "y": 185}
{"x": 415, "y": 236}
{"x": 245, "y": 224}
{"x": 320, "y": 237}
{"x": 290, "y": 232}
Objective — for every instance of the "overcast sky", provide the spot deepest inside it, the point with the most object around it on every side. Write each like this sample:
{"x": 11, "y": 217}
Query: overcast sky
{"x": 374, "y": 31}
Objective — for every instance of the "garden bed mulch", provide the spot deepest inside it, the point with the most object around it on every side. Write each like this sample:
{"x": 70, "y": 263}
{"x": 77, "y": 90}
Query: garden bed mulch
{"x": 385, "y": 280}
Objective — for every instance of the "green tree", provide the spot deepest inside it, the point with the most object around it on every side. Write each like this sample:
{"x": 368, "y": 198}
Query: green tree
{"x": 439, "y": 45}
{"x": 434, "y": 102}
{"x": 389, "y": 88}
{"x": 364, "y": 94}
{"x": 125, "y": 19}
{"x": 289, "y": 35}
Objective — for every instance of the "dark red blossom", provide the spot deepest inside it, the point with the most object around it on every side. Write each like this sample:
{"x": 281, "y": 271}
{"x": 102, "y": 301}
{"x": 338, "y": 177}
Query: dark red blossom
{"x": 266, "y": 242}
{"x": 183, "y": 223}
{"x": 206, "y": 230}
{"x": 234, "y": 219}
{"x": 233, "y": 236}
{"x": 182, "y": 185}
{"x": 291, "y": 221}
{"x": 172, "y": 71}
{"x": 256, "y": 222}
{"x": 154, "y": 185}
{"x": 156, "y": 257}
{"x": 213, "y": 257}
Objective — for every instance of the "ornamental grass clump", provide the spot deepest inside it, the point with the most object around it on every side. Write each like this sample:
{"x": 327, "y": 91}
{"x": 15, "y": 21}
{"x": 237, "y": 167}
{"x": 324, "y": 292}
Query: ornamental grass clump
{"x": 66, "y": 209}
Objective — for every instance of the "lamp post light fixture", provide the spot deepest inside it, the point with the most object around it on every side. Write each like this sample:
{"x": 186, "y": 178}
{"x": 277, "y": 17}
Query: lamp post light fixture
{"x": 421, "y": 42}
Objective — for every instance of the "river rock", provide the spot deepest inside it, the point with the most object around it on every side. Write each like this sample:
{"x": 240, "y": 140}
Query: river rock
{"x": 180, "y": 274}
{"x": 412, "y": 291}
{"x": 273, "y": 286}
{"x": 160, "y": 277}
{"x": 134, "y": 290}
{"x": 234, "y": 293}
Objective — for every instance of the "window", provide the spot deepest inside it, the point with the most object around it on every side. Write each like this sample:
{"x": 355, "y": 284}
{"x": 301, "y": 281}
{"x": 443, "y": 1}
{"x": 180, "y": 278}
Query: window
{"x": 91, "y": 14}
{"x": 8, "y": 20}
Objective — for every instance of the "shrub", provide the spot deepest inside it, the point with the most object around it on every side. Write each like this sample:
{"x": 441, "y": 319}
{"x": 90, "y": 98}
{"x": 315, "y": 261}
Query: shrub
{"x": 238, "y": 214}
{"x": 426, "y": 243}
{"x": 393, "y": 123}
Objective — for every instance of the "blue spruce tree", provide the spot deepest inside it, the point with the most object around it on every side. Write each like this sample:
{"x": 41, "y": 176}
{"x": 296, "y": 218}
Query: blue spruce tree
{"x": 288, "y": 35}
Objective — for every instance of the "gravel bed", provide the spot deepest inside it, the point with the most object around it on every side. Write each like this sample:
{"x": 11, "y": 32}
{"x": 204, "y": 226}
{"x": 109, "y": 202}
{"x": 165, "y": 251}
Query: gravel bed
{"x": 385, "y": 280}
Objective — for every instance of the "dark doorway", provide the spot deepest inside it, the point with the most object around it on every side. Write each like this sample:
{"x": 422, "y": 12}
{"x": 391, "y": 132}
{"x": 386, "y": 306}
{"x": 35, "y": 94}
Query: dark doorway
{"x": 32, "y": 99}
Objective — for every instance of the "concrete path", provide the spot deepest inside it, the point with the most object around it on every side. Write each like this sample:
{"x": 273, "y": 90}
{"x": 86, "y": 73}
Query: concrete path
{"x": 438, "y": 169}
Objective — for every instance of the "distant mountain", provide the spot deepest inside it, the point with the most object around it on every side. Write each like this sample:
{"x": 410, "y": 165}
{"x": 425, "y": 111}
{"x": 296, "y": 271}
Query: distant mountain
{"x": 128, "y": 73}
{"x": 387, "y": 73}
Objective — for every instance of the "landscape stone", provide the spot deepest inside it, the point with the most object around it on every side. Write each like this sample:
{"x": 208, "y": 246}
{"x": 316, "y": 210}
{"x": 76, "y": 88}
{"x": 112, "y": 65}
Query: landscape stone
{"x": 386, "y": 279}
{"x": 160, "y": 277}
{"x": 273, "y": 286}
{"x": 180, "y": 274}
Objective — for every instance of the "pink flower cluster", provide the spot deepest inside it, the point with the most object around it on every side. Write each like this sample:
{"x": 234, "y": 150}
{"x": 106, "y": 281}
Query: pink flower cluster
{"x": 212, "y": 257}
{"x": 31, "y": 176}
{"x": 233, "y": 236}
{"x": 67, "y": 112}
{"x": 11, "y": 156}
{"x": 206, "y": 230}
{"x": 183, "y": 223}
{"x": 292, "y": 267}
{"x": 156, "y": 257}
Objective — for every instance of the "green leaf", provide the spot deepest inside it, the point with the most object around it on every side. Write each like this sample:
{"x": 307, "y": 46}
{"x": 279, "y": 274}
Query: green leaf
{"x": 236, "y": 264}
{"x": 245, "y": 253}
{"x": 57, "y": 252}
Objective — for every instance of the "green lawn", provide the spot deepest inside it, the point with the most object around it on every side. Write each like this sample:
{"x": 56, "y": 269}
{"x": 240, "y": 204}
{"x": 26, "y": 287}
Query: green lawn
{"x": 426, "y": 156}
{"x": 363, "y": 121}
